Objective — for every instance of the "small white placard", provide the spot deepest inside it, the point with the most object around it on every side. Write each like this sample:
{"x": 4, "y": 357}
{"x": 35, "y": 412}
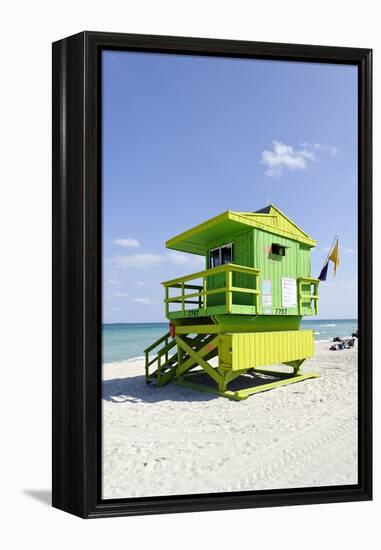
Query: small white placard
{"x": 267, "y": 300}
{"x": 288, "y": 292}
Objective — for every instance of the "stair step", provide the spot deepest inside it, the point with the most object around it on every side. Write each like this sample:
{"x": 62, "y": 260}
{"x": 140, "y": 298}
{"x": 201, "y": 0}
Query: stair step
{"x": 170, "y": 365}
{"x": 162, "y": 370}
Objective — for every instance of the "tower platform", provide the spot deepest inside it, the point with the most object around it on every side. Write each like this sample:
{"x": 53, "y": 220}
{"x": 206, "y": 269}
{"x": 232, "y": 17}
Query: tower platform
{"x": 202, "y": 357}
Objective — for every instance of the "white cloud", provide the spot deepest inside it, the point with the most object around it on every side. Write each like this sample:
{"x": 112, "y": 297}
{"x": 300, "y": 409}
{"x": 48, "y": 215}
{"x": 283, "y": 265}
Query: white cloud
{"x": 178, "y": 258}
{"x": 145, "y": 301}
{"x": 120, "y": 294}
{"x": 146, "y": 261}
{"x": 131, "y": 243}
{"x": 193, "y": 261}
{"x": 138, "y": 260}
{"x": 285, "y": 157}
{"x": 321, "y": 147}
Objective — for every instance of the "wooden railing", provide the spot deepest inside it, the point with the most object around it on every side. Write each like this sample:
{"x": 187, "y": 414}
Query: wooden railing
{"x": 204, "y": 290}
{"x": 161, "y": 356}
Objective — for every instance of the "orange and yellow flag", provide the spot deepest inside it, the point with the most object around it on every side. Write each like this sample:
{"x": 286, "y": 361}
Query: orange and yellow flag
{"x": 334, "y": 256}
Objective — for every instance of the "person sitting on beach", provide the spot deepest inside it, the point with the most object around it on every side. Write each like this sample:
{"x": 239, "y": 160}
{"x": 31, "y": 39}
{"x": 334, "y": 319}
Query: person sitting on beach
{"x": 349, "y": 343}
{"x": 342, "y": 344}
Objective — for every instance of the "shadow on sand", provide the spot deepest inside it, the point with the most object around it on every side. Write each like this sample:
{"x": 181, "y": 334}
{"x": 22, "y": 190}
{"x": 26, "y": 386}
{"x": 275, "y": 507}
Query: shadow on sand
{"x": 134, "y": 389}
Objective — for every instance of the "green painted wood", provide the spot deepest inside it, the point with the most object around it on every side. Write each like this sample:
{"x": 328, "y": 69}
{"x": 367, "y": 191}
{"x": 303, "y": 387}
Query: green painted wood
{"x": 203, "y": 350}
{"x": 199, "y": 359}
{"x": 239, "y": 323}
{"x": 239, "y": 310}
{"x": 257, "y": 323}
{"x": 253, "y": 248}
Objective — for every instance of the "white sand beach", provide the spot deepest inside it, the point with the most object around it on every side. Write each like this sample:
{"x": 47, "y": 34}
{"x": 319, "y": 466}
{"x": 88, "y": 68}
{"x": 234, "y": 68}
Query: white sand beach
{"x": 173, "y": 440}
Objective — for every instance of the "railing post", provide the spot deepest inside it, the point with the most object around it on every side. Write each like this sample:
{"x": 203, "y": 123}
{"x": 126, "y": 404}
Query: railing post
{"x": 229, "y": 284}
{"x": 166, "y": 301}
{"x": 299, "y": 297}
{"x": 204, "y": 291}
{"x": 316, "y": 299}
{"x": 158, "y": 368}
{"x": 312, "y": 293}
{"x": 257, "y": 295}
{"x": 179, "y": 357}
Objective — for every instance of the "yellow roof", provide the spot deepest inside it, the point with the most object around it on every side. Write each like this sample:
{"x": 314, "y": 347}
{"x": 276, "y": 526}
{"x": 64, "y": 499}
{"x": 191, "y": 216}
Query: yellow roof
{"x": 270, "y": 219}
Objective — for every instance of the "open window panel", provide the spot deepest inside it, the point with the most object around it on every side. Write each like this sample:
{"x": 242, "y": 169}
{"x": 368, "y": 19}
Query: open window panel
{"x": 278, "y": 249}
{"x": 221, "y": 255}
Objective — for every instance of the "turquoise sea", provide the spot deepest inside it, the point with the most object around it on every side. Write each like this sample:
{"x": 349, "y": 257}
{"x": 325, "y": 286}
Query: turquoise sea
{"x": 123, "y": 341}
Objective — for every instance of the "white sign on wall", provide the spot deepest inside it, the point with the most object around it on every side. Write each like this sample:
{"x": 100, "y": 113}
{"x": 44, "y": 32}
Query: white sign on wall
{"x": 289, "y": 292}
{"x": 267, "y": 299}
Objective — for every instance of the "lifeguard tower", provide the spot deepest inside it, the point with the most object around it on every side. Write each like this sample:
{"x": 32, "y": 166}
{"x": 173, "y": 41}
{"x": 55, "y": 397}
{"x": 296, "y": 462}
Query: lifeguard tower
{"x": 243, "y": 311}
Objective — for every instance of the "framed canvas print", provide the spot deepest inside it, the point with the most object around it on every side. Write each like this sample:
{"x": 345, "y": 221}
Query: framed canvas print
{"x": 212, "y": 274}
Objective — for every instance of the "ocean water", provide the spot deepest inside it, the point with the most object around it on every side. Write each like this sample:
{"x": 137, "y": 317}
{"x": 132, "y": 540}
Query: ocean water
{"x": 123, "y": 341}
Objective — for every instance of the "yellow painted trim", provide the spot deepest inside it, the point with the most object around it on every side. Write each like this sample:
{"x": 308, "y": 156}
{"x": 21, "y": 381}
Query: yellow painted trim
{"x": 197, "y": 229}
{"x": 238, "y": 217}
{"x": 244, "y": 218}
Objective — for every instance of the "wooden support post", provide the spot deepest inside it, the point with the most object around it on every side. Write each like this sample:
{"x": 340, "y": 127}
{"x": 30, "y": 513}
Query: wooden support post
{"x": 158, "y": 368}
{"x": 257, "y": 296}
{"x": 197, "y": 356}
{"x": 316, "y": 286}
{"x": 166, "y": 302}
{"x": 146, "y": 366}
{"x": 229, "y": 294}
{"x": 179, "y": 357}
{"x": 295, "y": 365}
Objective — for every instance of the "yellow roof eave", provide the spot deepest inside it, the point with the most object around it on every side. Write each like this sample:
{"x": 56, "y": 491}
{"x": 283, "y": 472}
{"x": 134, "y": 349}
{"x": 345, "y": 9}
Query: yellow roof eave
{"x": 304, "y": 238}
{"x": 187, "y": 235}
{"x": 240, "y": 218}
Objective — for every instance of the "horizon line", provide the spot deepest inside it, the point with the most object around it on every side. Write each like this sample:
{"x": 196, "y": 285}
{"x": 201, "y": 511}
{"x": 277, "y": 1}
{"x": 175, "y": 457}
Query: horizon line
{"x": 166, "y": 322}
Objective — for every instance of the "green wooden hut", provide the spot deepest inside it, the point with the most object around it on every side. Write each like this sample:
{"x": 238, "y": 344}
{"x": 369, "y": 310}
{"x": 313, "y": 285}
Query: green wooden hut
{"x": 245, "y": 307}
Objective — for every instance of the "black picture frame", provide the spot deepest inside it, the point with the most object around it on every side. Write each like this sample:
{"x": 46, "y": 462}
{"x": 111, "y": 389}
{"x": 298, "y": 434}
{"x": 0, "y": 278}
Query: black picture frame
{"x": 77, "y": 274}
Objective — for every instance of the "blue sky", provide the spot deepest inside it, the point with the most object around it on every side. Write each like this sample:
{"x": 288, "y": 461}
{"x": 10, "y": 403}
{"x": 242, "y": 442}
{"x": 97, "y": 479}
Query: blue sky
{"x": 186, "y": 138}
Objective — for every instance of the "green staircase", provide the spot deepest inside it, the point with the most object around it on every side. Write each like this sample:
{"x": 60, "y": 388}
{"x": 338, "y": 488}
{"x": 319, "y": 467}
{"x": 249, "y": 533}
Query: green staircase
{"x": 161, "y": 367}
{"x": 165, "y": 360}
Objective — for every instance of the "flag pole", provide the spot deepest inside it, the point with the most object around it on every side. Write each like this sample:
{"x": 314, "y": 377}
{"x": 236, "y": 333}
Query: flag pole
{"x": 331, "y": 248}
{"x": 328, "y": 255}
